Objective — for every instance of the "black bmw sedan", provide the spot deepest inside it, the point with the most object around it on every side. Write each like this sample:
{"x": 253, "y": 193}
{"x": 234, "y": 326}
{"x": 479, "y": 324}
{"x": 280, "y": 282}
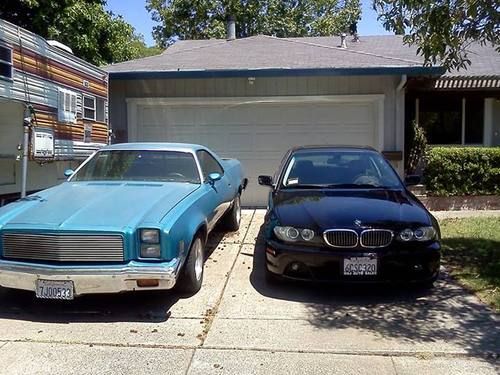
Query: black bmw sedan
{"x": 342, "y": 214}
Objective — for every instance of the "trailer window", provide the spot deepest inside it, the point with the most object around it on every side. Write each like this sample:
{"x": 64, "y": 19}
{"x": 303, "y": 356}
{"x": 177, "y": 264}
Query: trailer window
{"x": 89, "y": 107}
{"x": 5, "y": 62}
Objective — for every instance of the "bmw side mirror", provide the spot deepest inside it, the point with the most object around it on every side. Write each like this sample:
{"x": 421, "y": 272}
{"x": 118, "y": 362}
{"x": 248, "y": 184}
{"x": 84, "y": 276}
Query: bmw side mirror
{"x": 412, "y": 180}
{"x": 69, "y": 172}
{"x": 215, "y": 176}
{"x": 265, "y": 180}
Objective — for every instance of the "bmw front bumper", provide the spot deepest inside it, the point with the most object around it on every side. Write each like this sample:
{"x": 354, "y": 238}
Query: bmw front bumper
{"x": 394, "y": 264}
{"x": 90, "y": 279}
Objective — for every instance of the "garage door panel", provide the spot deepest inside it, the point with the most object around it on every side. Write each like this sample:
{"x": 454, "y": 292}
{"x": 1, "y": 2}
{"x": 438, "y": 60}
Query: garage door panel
{"x": 259, "y": 132}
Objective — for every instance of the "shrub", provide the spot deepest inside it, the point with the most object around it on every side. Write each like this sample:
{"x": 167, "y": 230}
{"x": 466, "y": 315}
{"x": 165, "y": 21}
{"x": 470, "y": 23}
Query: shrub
{"x": 417, "y": 150}
{"x": 463, "y": 171}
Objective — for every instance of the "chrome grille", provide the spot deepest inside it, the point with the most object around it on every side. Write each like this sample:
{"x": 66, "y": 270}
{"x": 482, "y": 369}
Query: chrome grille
{"x": 373, "y": 238}
{"x": 63, "y": 248}
{"x": 341, "y": 237}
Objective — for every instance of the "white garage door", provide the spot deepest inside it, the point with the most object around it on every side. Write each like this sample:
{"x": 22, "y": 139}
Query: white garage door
{"x": 258, "y": 131}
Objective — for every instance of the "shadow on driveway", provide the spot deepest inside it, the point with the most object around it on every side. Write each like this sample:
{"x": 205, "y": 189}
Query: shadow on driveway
{"x": 144, "y": 306}
{"x": 447, "y": 313}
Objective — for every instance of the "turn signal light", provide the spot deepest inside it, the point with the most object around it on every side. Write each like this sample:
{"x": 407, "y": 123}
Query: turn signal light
{"x": 148, "y": 283}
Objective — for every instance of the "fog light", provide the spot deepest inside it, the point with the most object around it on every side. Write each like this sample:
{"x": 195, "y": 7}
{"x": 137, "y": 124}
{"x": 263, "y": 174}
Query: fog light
{"x": 148, "y": 283}
{"x": 150, "y": 251}
{"x": 417, "y": 267}
{"x": 295, "y": 266}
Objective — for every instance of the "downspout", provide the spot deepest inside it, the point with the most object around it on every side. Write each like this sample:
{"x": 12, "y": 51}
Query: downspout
{"x": 402, "y": 83}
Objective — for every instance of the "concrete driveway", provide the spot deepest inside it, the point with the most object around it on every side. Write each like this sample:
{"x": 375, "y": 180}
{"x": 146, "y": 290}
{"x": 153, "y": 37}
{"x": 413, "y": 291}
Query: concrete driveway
{"x": 237, "y": 324}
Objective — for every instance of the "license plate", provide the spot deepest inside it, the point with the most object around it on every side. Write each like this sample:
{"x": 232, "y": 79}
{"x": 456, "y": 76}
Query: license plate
{"x": 51, "y": 289}
{"x": 360, "y": 266}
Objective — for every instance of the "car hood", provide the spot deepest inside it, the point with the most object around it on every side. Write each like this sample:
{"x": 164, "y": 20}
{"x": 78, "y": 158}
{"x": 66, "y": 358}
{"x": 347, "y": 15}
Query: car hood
{"x": 328, "y": 209}
{"x": 95, "y": 205}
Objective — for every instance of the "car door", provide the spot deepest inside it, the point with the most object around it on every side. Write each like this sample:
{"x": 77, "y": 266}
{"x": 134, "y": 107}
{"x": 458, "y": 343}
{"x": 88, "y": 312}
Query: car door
{"x": 218, "y": 192}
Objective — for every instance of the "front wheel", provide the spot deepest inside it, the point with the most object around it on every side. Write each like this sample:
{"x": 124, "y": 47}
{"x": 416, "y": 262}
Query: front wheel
{"x": 191, "y": 276}
{"x": 233, "y": 217}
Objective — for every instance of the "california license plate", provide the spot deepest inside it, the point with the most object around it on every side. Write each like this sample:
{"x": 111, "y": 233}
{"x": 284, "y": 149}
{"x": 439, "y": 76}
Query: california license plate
{"x": 54, "y": 289}
{"x": 360, "y": 266}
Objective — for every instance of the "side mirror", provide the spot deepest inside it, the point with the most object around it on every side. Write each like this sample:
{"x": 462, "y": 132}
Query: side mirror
{"x": 214, "y": 176}
{"x": 265, "y": 180}
{"x": 69, "y": 172}
{"x": 412, "y": 180}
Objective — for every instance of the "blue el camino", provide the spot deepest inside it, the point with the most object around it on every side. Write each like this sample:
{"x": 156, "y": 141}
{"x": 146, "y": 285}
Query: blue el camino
{"x": 132, "y": 217}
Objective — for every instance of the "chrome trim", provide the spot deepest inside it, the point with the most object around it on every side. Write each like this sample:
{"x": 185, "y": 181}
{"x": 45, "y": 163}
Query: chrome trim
{"x": 90, "y": 280}
{"x": 340, "y": 230}
{"x": 375, "y": 230}
{"x": 59, "y": 247}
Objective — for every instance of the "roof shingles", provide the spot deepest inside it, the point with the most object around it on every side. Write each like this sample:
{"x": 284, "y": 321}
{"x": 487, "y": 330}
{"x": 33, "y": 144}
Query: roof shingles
{"x": 266, "y": 52}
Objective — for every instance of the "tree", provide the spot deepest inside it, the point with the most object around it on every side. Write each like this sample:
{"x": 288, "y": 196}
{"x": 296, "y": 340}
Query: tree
{"x": 443, "y": 29}
{"x": 203, "y": 19}
{"x": 94, "y": 34}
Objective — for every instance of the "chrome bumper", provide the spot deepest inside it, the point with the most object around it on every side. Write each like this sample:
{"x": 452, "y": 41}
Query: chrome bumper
{"x": 90, "y": 279}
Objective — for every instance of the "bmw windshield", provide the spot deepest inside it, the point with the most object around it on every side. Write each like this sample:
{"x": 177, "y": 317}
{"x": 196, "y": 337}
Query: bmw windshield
{"x": 339, "y": 169}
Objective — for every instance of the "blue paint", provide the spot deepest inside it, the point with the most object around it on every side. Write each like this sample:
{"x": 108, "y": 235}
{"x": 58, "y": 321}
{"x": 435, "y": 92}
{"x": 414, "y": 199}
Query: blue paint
{"x": 177, "y": 209}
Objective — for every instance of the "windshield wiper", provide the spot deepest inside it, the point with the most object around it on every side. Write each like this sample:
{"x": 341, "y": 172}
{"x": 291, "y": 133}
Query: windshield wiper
{"x": 304, "y": 186}
{"x": 357, "y": 186}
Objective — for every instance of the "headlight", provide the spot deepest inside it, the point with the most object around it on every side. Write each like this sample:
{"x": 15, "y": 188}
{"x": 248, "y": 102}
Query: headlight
{"x": 150, "y": 235}
{"x": 419, "y": 234}
{"x": 291, "y": 234}
{"x": 150, "y": 251}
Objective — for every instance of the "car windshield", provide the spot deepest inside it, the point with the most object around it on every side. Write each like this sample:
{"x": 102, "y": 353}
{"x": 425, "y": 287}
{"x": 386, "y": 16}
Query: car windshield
{"x": 339, "y": 169}
{"x": 139, "y": 165}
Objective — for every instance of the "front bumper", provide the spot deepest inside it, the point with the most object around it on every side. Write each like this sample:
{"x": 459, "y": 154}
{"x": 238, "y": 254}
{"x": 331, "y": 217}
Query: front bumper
{"x": 90, "y": 279}
{"x": 418, "y": 264}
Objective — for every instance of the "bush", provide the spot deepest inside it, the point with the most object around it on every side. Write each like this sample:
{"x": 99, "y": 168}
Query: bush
{"x": 417, "y": 150}
{"x": 463, "y": 171}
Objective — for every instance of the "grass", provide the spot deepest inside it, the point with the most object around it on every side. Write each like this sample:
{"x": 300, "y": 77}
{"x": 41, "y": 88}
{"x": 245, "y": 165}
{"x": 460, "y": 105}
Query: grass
{"x": 471, "y": 253}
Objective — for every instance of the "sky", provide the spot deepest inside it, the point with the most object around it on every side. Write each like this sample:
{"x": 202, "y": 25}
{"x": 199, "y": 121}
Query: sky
{"x": 135, "y": 13}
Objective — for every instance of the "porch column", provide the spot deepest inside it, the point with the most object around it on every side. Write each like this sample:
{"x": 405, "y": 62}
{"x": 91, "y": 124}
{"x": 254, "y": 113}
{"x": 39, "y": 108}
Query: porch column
{"x": 488, "y": 122}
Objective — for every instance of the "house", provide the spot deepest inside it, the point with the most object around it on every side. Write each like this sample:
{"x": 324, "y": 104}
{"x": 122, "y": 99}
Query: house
{"x": 254, "y": 98}
{"x": 66, "y": 100}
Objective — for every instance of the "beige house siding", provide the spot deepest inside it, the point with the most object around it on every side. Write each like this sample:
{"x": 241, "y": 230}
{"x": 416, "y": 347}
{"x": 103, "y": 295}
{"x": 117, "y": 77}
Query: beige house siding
{"x": 262, "y": 87}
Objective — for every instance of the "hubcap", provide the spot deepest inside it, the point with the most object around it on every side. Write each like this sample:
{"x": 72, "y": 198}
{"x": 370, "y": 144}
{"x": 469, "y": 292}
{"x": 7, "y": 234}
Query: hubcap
{"x": 198, "y": 264}
{"x": 238, "y": 210}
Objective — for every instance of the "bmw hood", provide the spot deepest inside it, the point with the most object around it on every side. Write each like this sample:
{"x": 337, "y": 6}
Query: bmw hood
{"x": 95, "y": 205}
{"x": 321, "y": 210}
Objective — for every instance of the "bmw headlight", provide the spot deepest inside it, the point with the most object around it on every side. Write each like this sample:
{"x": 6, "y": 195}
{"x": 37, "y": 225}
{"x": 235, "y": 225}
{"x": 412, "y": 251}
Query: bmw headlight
{"x": 419, "y": 234}
{"x": 150, "y": 235}
{"x": 291, "y": 234}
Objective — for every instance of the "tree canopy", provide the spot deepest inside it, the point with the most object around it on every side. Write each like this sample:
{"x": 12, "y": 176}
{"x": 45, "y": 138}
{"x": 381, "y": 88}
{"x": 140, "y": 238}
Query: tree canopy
{"x": 93, "y": 33}
{"x": 203, "y": 19}
{"x": 443, "y": 29}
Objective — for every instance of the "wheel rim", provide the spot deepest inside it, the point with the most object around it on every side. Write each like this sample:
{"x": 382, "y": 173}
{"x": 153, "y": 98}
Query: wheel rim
{"x": 198, "y": 264}
{"x": 238, "y": 210}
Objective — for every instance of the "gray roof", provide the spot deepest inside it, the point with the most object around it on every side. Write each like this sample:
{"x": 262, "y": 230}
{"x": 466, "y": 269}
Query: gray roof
{"x": 267, "y": 53}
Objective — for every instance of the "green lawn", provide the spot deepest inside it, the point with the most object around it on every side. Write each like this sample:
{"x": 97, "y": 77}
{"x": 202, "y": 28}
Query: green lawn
{"x": 471, "y": 253}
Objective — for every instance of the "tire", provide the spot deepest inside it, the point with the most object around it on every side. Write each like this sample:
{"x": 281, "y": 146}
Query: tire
{"x": 233, "y": 216}
{"x": 191, "y": 276}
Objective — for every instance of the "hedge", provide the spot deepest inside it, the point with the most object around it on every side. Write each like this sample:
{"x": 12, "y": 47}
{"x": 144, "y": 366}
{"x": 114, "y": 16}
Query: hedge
{"x": 462, "y": 171}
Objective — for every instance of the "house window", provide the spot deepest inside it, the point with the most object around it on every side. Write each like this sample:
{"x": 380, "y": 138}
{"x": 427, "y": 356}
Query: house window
{"x": 451, "y": 119}
{"x": 67, "y": 106}
{"x": 5, "y": 62}
{"x": 88, "y": 107}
